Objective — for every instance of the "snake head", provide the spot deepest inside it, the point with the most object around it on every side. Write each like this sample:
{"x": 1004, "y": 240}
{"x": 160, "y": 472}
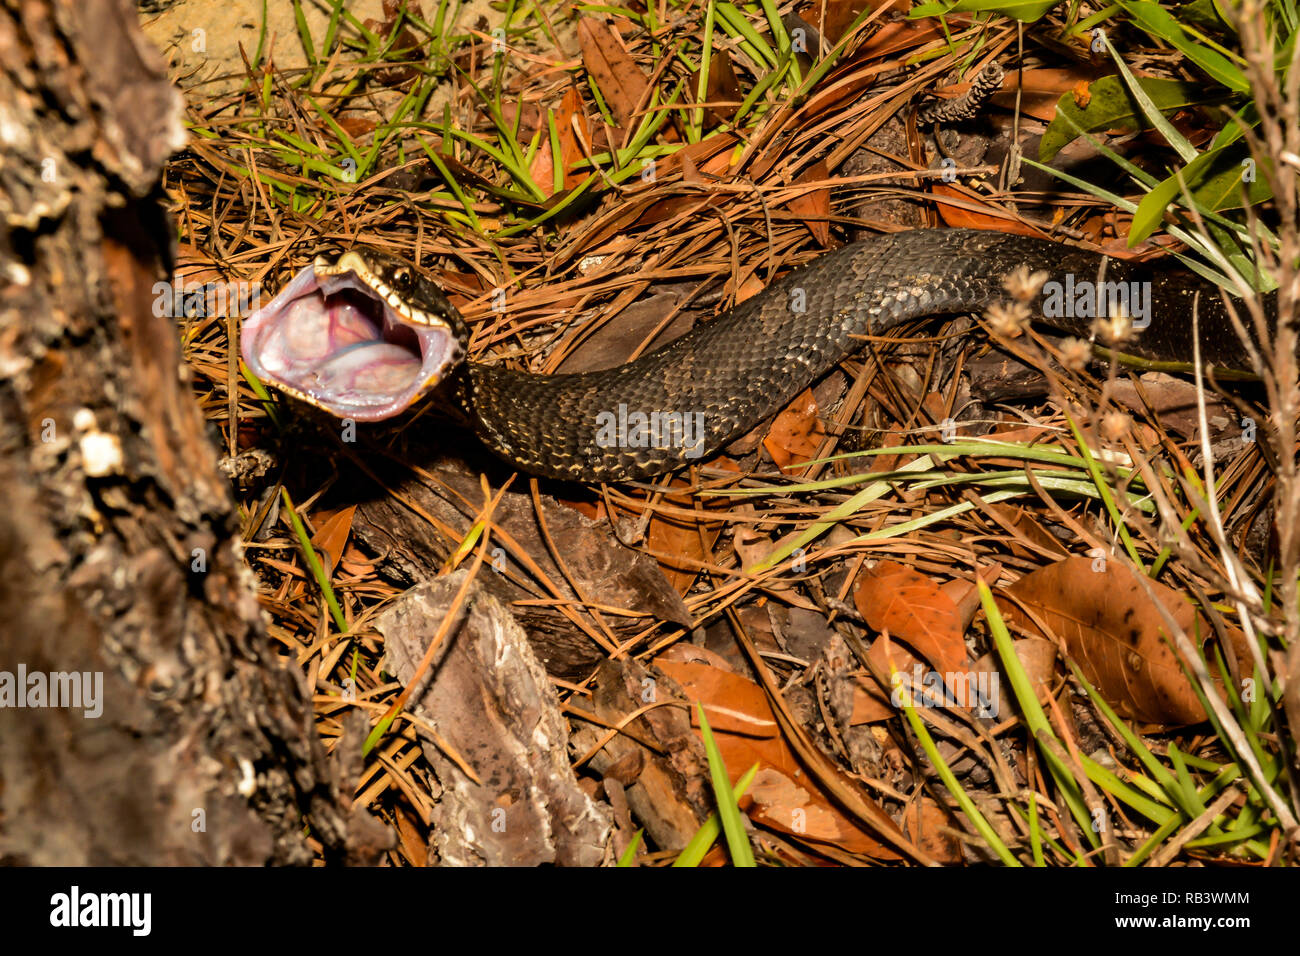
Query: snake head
{"x": 362, "y": 337}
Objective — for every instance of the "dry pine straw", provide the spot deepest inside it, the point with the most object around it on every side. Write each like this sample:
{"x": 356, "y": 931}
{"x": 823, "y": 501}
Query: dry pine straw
{"x": 680, "y": 226}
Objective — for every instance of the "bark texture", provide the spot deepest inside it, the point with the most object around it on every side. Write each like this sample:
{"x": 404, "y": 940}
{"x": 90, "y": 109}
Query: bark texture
{"x": 119, "y": 553}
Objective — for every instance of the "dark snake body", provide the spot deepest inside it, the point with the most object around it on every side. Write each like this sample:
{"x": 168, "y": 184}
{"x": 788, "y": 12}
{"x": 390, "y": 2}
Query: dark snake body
{"x": 739, "y": 368}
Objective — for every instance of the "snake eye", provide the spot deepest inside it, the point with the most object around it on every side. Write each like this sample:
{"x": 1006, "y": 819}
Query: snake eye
{"x": 402, "y": 278}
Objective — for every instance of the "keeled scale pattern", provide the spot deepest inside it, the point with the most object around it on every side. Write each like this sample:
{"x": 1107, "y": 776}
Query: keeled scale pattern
{"x": 742, "y": 366}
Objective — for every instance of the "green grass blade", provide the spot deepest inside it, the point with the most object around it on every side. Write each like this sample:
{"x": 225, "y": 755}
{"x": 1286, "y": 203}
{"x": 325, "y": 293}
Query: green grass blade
{"x": 695, "y": 850}
{"x": 742, "y": 854}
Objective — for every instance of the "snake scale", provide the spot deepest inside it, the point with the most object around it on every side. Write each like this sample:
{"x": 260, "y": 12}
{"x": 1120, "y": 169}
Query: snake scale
{"x": 365, "y": 336}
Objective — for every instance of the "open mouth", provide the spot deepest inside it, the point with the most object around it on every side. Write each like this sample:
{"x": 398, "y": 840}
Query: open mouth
{"x": 331, "y": 340}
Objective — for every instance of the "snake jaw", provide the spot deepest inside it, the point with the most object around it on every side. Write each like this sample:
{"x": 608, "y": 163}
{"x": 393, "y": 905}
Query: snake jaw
{"x": 333, "y": 339}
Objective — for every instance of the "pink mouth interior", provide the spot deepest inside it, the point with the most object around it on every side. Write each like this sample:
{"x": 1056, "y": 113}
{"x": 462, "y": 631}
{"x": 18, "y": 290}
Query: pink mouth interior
{"x": 334, "y": 341}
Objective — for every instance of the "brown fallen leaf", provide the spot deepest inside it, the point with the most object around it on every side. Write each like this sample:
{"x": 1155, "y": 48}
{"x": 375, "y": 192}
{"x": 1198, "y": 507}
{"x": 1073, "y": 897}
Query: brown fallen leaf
{"x": 869, "y": 706}
{"x": 895, "y": 37}
{"x": 783, "y": 796}
{"x": 1026, "y": 529}
{"x": 814, "y": 208}
{"x": 912, "y": 608}
{"x": 1036, "y": 655}
{"x": 965, "y": 595}
{"x": 687, "y": 653}
{"x": 1036, "y": 92}
{"x": 1175, "y": 401}
{"x": 926, "y": 822}
{"x": 1115, "y": 633}
{"x": 356, "y": 125}
{"x": 634, "y": 330}
{"x": 752, "y": 546}
{"x": 796, "y": 433}
{"x": 723, "y": 89}
{"x": 836, "y": 16}
{"x": 956, "y": 214}
{"x": 331, "y": 536}
{"x": 414, "y": 842}
{"x": 736, "y": 708}
{"x": 973, "y": 687}
{"x": 621, "y": 81}
{"x": 542, "y": 170}
{"x": 405, "y": 47}
{"x": 778, "y": 802}
{"x": 885, "y": 657}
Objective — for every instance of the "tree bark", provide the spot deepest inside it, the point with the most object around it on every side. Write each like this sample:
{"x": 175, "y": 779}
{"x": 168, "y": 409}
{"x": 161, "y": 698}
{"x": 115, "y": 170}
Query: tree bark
{"x": 119, "y": 553}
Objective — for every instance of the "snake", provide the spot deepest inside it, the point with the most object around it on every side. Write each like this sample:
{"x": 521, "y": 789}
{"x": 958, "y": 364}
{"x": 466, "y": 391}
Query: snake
{"x": 366, "y": 335}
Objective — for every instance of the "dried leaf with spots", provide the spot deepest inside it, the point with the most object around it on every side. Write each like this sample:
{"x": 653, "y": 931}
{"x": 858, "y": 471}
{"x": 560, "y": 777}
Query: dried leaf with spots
{"x": 1114, "y": 631}
{"x": 796, "y": 433}
{"x": 621, "y": 82}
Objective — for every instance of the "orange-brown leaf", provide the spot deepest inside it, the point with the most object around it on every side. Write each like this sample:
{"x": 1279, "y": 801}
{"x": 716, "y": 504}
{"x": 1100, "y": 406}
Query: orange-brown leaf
{"x": 815, "y": 207}
{"x": 925, "y": 822}
{"x": 795, "y": 808}
{"x": 782, "y": 796}
{"x": 620, "y": 80}
{"x": 332, "y": 535}
{"x": 796, "y": 433}
{"x": 911, "y": 607}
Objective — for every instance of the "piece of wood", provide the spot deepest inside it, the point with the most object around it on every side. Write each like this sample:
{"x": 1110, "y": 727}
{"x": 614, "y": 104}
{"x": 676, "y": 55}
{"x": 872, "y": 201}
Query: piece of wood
{"x": 119, "y": 562}
{"x": 489, "y": 701}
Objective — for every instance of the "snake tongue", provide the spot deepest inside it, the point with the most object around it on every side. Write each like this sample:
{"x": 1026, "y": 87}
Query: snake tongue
{"x": 333, "y": 343}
